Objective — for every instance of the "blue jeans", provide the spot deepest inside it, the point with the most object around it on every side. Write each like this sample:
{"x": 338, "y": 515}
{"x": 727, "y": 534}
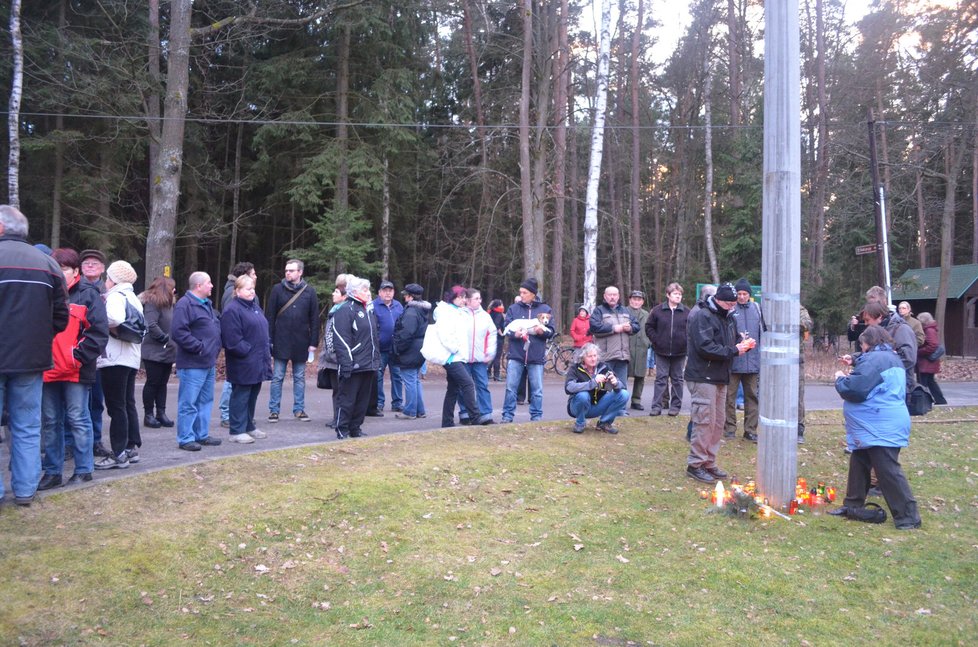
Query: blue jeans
{"x": 225, "y": 401}
{"x": 480, "y": 375}
{"x": 413, "y": 392}
{"x": 514, "y": 373}
{"x": 396, "y": 401}
{"x": 195, "y": 397}
{"x": 21, "y": 394}
{"x": 298, "y": 385}
{"x": 606, "y": 410}
{"x": 65, "y": 404}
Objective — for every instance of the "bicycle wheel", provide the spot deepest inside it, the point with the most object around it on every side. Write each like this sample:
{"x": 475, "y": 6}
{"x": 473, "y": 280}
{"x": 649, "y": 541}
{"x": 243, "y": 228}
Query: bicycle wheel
{"x": 549, "y": 361}
{"x": 563, "y": 359}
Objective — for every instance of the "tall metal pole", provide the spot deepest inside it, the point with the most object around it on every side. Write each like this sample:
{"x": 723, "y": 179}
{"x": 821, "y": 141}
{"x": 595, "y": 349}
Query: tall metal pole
{"x": 777, "y": 452}
{"x": 874, "y": 170}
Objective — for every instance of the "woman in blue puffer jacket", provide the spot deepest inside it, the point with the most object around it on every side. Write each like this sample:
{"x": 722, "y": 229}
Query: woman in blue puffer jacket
{"x": 877, "y": 427}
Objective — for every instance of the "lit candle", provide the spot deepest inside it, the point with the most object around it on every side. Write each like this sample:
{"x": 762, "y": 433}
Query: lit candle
{"x": 830, "y": 492}
{"x": 719, "y": 494}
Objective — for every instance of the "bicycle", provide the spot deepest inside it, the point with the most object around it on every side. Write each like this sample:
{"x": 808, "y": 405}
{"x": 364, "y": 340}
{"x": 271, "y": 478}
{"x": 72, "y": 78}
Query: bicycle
{"x": 558, "y": 358}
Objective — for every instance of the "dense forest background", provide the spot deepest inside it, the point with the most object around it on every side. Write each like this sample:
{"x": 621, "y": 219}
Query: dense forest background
{"x": 447, "y": 141}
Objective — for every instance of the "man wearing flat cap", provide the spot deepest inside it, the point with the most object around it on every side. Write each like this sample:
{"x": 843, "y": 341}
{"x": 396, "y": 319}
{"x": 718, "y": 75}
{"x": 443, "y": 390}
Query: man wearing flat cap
{"x": 711, "y": 347}
{"x": 92, "y": 268}
{"x": 388, "y": 310}
{"x": 638, "y": 348}
{"x": 745, "y": 369}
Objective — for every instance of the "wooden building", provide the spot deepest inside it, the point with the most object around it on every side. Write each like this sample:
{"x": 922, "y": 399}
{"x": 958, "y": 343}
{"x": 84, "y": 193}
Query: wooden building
{"x": 919, "y": 289}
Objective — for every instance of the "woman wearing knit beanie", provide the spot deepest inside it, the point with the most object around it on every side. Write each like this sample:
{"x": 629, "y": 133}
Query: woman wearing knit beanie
{"x": 117, "y": 369}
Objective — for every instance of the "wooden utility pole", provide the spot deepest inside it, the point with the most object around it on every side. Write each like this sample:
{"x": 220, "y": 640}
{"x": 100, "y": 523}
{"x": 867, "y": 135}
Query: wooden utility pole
{"x": 882, "y": 279}
{"x": 777, "y": 452}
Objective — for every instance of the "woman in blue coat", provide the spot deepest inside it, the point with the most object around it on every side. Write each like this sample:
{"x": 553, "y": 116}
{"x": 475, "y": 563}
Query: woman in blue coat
{"x": 877, "y": 426}
{"x": 244, "y": 334}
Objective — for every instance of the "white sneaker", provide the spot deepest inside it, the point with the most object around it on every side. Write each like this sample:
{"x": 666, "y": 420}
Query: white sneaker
{"x": 244, "y": 439}
{"x": 258, "y": 433}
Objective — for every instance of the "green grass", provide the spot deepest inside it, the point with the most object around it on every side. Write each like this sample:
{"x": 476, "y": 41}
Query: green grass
{"x": 525, "y": 535}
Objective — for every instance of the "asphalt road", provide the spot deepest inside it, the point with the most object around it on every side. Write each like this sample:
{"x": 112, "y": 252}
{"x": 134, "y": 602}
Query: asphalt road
{"x": 160, "y": 451}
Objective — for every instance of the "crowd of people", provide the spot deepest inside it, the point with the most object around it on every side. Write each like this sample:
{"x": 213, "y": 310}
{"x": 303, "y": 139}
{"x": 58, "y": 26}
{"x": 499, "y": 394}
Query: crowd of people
{"x": 91, "y": 333}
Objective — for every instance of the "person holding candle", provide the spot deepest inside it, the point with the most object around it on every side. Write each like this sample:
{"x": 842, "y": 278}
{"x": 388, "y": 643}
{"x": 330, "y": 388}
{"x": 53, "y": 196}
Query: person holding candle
{"x": 711, "y": 347}
{"x": 877, "y": 427}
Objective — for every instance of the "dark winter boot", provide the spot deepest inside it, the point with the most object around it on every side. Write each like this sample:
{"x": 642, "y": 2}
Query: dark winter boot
{"x": 150, "y": 421}
{"x": 163, "y": 419}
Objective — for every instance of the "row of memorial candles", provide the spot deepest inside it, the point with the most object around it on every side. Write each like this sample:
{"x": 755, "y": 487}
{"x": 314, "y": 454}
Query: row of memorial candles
{"x": 816, "y": 496}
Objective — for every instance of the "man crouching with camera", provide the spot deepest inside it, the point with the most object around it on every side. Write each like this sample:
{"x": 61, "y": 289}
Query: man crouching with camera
{"x": 594, "y": 391}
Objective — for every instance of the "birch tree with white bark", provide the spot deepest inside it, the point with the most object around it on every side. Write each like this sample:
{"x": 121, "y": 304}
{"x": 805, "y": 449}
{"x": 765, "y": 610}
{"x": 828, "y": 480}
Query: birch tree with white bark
{"x": 594, "y": 168}
{"x": 13, "y": 116}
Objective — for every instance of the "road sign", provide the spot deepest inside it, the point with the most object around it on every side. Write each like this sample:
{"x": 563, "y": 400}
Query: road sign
{"x": 866, "y": 249}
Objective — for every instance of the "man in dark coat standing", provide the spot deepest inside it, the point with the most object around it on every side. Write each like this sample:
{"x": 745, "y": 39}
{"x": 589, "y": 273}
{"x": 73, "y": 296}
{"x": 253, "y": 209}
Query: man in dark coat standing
{"x": 666, "y": 330}
{"x": 527, "y": 351}
{"x": 353, "y": 338}
{"x": 196, "y": 332}
{"x": 293, "y": 326}
{"x": 32, "y": 291}
{"x": 406, "y": 346}
{"x": 711, "y": 347}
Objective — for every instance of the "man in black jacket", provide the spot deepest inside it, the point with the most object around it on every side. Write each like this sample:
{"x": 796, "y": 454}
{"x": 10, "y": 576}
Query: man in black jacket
{"x": 666, "y": 330}
{"x": 32, "y": 290}
{"x": 409, "y": 333}
{"x": 293, "y": 326}
{"x": 711, "y": 347}
{"x": 355, "y": 341}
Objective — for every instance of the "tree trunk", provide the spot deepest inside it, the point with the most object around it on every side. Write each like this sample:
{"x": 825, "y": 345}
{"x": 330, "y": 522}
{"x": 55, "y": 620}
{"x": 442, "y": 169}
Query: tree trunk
{"x": 573, "y": 193}
{"x": 166, "y": 176}
{"x": 13, "y": 116}
{"x": 385, "y": 222}
{"x": 526, "y": 191}
{"x": 594, "y": 167}
{"x": 538, "y": 178}
{"x": 733, "y": 46}
{"x": 974, "y": 195}
{"x": 341, "y": 202}
{"x": 822, "y": 155}
{"x": 59, "y": 145}
{"x": 236, "y": 196}
{"x": 921, "y": 220}
{"x": 708, "y": 153}
{"x": 480, "y": 129}
{"x": 953, "y": 159}
{"x": 636, "y": 187}
{"x": 613, "y": 218}
{"x": 561, "y": 79}
{"x": 153, "y": 124}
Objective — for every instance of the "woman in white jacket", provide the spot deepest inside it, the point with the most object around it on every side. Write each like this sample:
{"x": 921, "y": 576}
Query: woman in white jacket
{"x": 452, "y": 320}
{"x": 117, "y": 369}
{"x": 480, "y": 348}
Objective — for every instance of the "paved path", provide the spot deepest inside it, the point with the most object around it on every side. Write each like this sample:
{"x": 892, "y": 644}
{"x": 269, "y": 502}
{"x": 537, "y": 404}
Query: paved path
{"x": 160, "y": 451}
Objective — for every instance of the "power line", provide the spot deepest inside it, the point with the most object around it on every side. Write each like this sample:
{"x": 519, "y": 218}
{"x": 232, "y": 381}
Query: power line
{"x": 419, "y": 125}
